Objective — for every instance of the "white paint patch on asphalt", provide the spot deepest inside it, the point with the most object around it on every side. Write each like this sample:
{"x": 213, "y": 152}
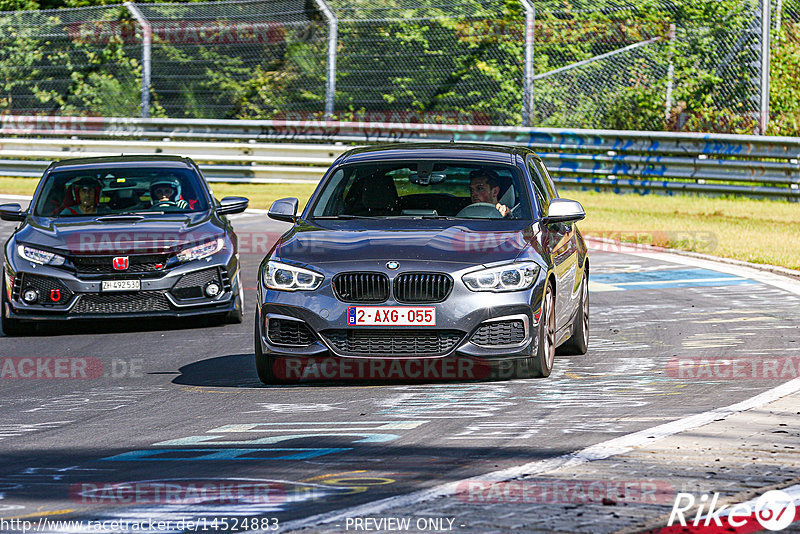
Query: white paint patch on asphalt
{"x": 775, "y": 280}
{"x": 600, "y": 451}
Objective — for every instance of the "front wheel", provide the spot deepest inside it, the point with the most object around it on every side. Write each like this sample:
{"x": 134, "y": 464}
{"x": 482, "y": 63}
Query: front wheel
{"x": 13, "y": 327}
{"x": 546, "y": 355}
{"x": 578, "y": 343}
{"x": 236, "y": 315}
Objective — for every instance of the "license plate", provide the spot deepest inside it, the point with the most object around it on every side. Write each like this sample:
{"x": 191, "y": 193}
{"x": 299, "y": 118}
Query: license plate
{"x": 121, "y": 285}
{"x": 391, "y": 315}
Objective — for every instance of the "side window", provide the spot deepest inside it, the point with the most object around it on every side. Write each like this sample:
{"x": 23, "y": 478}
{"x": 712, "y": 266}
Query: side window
{"x": 548, "y": 180}
{"x": 539, "y": 186}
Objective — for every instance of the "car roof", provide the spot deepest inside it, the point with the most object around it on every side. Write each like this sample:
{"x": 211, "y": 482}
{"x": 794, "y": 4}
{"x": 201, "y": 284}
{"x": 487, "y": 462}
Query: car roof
{"x": 118, "y": 161}
{"x": 459, "y": 151}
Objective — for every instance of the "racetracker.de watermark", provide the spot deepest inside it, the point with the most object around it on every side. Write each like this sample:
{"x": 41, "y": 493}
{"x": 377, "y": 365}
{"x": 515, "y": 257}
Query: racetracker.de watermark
{"x": 748, "y": 368}
{"x": 342, "y": 369}
{"x": 68, "y": 368}
{"x": 330, "y": 368}
{"x": 645, "y": 240}
{"x": 555, "y": 491}
{"x": 216, "y": 491}
{"x": 180, "y": 32}
{"x": 384, "y": 119}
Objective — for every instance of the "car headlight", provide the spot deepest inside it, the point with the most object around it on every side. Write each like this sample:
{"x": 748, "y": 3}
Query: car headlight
{"x": 513, "y": 277}
{"x": 41, "y": 257}
{"x": 289, "y": 278}
{"x": 204, "y": 250}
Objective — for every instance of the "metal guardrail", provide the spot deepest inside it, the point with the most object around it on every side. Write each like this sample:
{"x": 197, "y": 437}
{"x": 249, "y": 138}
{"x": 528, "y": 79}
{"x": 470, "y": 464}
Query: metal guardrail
{"x": 290, "y": 151}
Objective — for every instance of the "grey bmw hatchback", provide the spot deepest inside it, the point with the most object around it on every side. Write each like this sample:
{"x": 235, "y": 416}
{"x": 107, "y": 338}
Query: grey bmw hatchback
{"x": 424, "y": 262}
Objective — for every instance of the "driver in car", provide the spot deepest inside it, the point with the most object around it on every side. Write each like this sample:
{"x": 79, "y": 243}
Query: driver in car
{"x": 166, "y": 193}
{"x": 484, "y": 188}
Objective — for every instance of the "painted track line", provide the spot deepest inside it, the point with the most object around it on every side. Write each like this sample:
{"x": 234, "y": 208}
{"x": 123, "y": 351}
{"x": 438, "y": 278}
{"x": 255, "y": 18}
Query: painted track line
{"x": 600, "y": 451}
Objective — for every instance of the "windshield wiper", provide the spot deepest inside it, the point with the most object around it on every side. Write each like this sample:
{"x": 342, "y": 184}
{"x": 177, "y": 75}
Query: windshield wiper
{"x": 120, "y": 217}
{"x": 125, "y": 213}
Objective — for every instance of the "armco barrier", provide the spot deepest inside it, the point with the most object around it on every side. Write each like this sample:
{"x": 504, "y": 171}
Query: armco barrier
{"x": 268, "y": 151}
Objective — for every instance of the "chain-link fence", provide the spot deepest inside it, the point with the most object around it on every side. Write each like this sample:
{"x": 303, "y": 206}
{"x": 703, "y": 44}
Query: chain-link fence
{"x": 65, "y": 62}
{"x": 624, "y": 64}
{"x": 785, "y": 68}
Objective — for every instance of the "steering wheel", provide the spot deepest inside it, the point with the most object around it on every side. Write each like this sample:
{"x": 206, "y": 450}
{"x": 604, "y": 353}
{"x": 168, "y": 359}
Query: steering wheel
{"x": 180, "y": 203}
{"x": 480, "y": 210}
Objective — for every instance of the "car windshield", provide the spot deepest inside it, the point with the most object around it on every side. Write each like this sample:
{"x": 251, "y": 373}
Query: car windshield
{"x": 120, "y": 190}
{"x": 424, "y": 189}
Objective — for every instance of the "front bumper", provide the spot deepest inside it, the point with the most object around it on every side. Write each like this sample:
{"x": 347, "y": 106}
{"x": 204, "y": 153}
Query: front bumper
{"x": 461, "y": 315}
{"x": 172, "y": 293}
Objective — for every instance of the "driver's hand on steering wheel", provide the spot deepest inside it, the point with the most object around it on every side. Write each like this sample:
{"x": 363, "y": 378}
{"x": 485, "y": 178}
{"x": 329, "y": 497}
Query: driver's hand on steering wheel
{"x": 168, "y": 203}
{"x": 503, "y": 209}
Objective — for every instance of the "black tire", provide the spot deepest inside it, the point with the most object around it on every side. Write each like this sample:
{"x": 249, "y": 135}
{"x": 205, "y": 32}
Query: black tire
{"x": 263, "y": 364}
{"x": 236, "y": 315}
{"x": 545, "y": 356}
{"x": 13, "y": 327}
{"x": 578, "y": 343}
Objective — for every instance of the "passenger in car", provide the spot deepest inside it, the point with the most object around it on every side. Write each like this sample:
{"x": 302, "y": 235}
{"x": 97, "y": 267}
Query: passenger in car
{"x": 82, "y": 197}
{"x": 484, "y": 187}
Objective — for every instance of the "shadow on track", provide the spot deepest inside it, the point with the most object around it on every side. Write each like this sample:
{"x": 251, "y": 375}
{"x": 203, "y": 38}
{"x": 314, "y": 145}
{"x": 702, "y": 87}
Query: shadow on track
{"x": 239, "y": 371}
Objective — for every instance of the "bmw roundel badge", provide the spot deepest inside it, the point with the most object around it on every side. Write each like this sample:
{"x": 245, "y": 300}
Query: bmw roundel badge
{"x": 392, "y": 265}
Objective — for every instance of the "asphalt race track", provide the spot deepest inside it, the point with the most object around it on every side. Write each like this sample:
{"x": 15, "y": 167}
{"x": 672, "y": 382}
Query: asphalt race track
{"x": 180, "y": 403}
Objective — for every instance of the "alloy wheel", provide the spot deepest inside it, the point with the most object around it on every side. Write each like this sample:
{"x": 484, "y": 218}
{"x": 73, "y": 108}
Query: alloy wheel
{"x": 550, "y": 325}
{"x": 585, "y": 298}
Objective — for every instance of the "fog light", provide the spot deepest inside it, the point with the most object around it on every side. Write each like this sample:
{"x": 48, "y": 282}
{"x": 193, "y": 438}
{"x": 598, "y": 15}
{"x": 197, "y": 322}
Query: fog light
{"x": 30, "y": 295}
{"x": 212, "y": 289}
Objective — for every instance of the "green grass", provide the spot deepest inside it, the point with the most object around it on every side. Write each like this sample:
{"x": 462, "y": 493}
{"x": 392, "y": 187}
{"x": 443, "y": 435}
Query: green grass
{"x": 18, "y": 186}
{"x": 758, "y": 231}
{"x": 261, "y": 196}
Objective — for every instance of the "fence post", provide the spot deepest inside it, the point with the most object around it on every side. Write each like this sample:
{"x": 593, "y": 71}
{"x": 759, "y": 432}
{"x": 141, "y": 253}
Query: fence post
{"x": 333, "y": 39}
{"x": 527, "y": 81}
{"x": 147, "y": 39}
{"x": 763, "y": 114}
{"x": 670, "y": 75}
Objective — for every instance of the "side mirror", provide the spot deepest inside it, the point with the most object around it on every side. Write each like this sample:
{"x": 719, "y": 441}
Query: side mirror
{"x": 12, "y": 212}
{"x": 562, "y": 210}
{"x": 230, "y": 205}
{"x": 284, "y": 209}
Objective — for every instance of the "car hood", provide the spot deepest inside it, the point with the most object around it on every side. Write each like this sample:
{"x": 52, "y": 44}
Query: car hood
{"x": 457, "y": 242}
{"x": 87, "y": 235}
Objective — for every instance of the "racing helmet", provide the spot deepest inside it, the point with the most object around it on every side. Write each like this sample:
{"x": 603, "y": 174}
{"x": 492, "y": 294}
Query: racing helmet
{"x": 81, "y": 183}
{"x": 166, "y": 182}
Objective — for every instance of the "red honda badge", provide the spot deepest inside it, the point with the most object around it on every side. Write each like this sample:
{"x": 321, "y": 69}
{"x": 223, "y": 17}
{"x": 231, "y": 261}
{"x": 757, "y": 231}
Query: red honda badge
{"x": 55, "y": 295}
{"x": 120, "y": 263}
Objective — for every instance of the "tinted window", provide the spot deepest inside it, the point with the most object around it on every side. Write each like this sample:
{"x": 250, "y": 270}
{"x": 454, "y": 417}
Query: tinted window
{"x": 539, "y": 185}
{"x": 424, "y": 189}
{"x": 73, "y": 193}
{"x": 548, "y": 180}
